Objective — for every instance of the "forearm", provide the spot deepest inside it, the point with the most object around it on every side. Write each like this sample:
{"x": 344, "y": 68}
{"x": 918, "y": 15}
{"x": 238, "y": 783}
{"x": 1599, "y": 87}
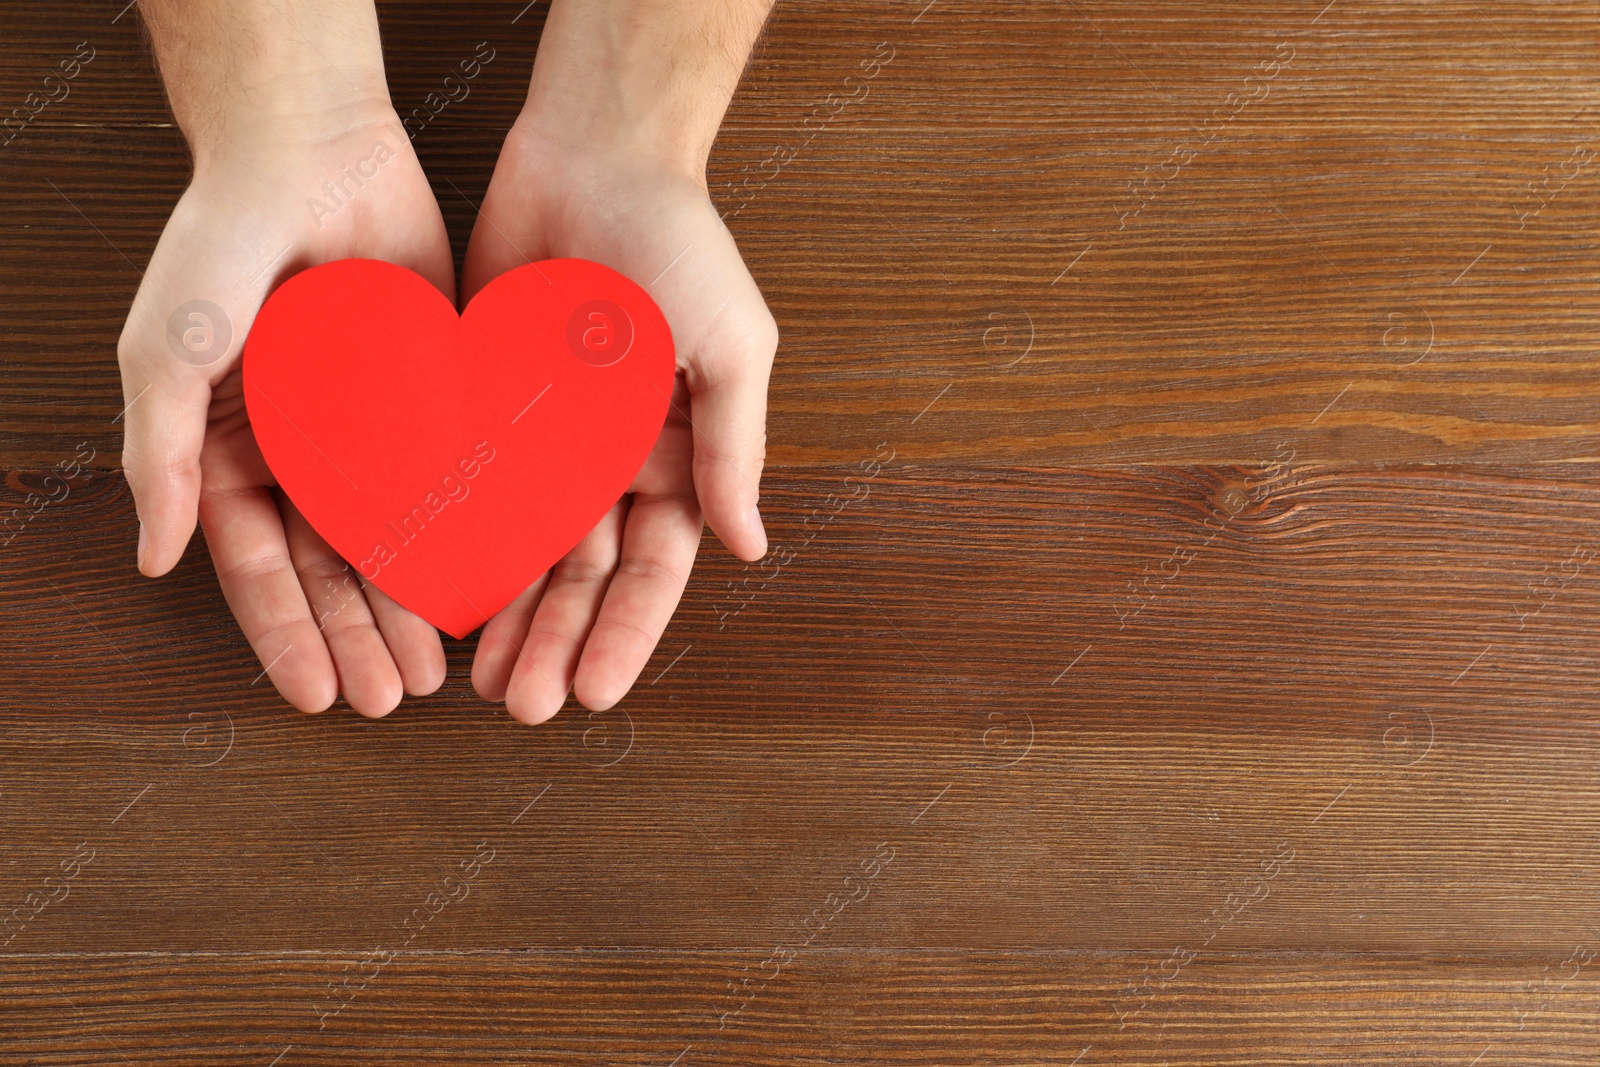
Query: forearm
{"x": 641, "y": 76}
{"x": 232, "y": 67}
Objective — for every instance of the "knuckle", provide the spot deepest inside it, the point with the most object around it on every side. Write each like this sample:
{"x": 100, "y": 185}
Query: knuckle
{"x": 130, "y": 349}
{"x": 267, "y": 639}
{"x": 653, "y": 571}
{"x": 253, "y": 568}
{"x": 627, "y": 626}
{"x": 341, "y": 620}
{"x": 740, "y": 346}
{"x": 328, "y": 568}
{"x": 551, "y": 634}
{"x": 580, "y": 572}
{"x": 147, "y": 472}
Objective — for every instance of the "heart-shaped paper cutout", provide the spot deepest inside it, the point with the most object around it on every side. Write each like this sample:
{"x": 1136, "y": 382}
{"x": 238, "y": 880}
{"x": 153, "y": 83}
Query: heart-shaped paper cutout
{"x": 453, "y": 459}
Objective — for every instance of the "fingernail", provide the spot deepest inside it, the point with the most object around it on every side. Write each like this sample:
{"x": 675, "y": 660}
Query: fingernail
{"x": 139, "y": 556}
{"x": 759, "y": 530}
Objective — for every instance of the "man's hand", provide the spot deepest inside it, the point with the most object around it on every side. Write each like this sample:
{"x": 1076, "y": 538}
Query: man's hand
{"x": 299, "y": 159}
{"x": 607, "y": 163}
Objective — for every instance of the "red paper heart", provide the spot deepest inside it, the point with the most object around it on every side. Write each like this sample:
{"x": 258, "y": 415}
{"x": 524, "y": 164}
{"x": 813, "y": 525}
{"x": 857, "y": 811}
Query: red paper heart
{"x": 453, "y": 459}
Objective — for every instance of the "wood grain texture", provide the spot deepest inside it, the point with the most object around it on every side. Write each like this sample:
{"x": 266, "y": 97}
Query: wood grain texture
{"x": 1362, "y": 220}
{"x": 857, "y": 1007}
{"x": 1185, "y": 649}
{"x": 1345, "y": 706}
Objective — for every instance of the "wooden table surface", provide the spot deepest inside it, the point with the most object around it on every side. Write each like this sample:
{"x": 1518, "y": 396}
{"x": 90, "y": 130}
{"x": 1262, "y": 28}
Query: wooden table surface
{"x": 1207, "y": 675}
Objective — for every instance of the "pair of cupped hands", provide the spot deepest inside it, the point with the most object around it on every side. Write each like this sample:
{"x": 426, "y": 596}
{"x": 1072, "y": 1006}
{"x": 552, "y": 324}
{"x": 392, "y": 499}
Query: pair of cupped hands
{"x": 256, "y": 212}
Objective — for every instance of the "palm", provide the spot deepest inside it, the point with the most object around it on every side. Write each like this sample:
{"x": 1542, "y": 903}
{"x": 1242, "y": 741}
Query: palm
{"x": 592, "y": 622}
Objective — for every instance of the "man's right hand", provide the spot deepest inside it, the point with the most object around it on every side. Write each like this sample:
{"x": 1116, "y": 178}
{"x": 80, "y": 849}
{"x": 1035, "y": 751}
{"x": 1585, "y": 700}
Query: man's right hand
{"x": 299, "y": 160}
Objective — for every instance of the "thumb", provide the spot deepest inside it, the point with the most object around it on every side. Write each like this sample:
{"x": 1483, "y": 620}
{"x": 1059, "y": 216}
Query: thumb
{"x": 166, "y": 426}
{"x": 728, "y": 410}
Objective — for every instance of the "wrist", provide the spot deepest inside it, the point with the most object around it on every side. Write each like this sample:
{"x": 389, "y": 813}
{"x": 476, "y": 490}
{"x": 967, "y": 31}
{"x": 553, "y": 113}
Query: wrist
{"x": 266, "y": 135}
{"x": 240, "y": 74}
{"x": 573, "y": 148}
{"x": 639, "y": 79}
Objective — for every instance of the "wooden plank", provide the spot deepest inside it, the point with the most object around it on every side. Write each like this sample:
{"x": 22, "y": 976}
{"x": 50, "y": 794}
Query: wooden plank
{"x": 1362, "y": 230}
{"x": 1215, "y": 699}
{"x": 906, "y": 1007}
{"x": 1084, "y": 706}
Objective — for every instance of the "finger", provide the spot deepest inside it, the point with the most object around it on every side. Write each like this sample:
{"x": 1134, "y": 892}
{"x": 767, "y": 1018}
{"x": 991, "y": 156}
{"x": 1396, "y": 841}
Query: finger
{"x": 658, "y": 549}
{"x": 245, "y": 533}
{"x": 727, "y": 383}
{"x": 543, "y": 673}
{"x": 413, "y": 642}
{"x": 501, "y": 642}
{"x": 367, "y": 674}
{"x": 165, "y": 428}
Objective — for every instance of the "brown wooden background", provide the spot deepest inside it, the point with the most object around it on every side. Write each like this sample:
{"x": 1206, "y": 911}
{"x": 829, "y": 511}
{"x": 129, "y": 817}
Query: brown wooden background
{"x": 1328, "y": 368}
